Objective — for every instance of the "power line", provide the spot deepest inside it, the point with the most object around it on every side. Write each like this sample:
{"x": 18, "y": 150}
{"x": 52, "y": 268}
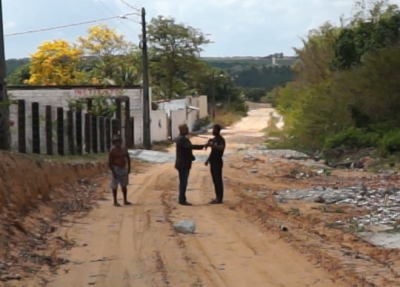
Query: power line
{"x": 112, "y": 13}
{"x": 73, "y": 25}
{"x": 130, "y": 6}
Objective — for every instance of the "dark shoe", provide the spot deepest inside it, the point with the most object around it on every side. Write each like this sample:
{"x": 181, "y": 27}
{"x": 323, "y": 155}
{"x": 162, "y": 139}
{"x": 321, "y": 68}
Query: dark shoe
{"x": 127, "y": 203}
{"x": 215, "y": 201}
{"x": 117, "y": 204}
{"x": 185, "y": 203}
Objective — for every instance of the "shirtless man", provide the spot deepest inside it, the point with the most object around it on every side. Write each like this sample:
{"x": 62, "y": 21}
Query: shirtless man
{"x": 120, "y": 166}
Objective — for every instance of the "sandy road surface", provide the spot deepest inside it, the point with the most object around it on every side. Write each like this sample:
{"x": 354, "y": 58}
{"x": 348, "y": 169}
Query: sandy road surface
{"x": 136, "y": 246}
{"x": 244, "y": 133}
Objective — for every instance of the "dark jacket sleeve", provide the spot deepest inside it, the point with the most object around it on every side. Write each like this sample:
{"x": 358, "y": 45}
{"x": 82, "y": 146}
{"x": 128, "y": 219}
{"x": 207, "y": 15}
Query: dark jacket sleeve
{"x": 185, "y": 143}
{"x": 197, "y": 146}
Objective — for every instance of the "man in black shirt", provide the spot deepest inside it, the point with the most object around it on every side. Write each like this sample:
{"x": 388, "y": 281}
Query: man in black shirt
{"x": 183, "y": 162}
{"x": 217, "y": 145}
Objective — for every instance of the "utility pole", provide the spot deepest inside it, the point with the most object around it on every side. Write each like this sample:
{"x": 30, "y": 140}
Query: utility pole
{"x": 4, "y": 105}
{"x": 146, "y": 94}
{"x": 213, "y": 95}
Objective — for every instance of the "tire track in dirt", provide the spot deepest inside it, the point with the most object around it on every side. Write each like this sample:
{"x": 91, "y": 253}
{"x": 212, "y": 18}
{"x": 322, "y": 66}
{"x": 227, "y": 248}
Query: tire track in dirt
{"x": 131, "y": 216}
{"x": 133, "y": 245}
{"x": 223, "y": 252}
{"x": 109, "y": 256}
{"x": 201, "y": 272}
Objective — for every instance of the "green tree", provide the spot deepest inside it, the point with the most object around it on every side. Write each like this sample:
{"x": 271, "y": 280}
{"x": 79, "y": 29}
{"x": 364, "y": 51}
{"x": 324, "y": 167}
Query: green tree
{"x": 255, "y": 94}
{"x": 359, "y": 97}
{"x": 174, "y": 55}
{"x": 364, "y": 37}
{"x": 19, "y": 76}
{"x": 111, "y": 58}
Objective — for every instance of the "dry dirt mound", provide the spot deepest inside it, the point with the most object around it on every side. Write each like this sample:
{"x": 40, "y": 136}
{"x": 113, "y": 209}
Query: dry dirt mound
{"x": 25, "y": 180}
{"x": 35, "y": 197}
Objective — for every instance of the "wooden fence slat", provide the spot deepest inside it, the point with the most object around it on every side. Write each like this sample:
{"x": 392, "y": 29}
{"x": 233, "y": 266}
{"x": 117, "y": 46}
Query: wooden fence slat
{"x": 78, "y": 128}
{"x": 132, "y": 124}
{"x": 21, "y": 126}
{"x": 108, "y": 133}
{"x": 35, "y": 128}
{"x": 88, "y": 133}
{"x": 128, "y": 128}
{"x": 95, "y": 147}
{"x": 70, "y": 132}
{"x": 116, "y": 127}
{"x": 49, "y": 131}
{"x": 102, "y": 135}
{"x": 60, "y": 131}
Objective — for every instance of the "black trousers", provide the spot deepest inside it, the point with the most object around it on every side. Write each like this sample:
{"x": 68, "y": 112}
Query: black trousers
{"x": 216, "y": 174}
{"x": 183, "y": 183}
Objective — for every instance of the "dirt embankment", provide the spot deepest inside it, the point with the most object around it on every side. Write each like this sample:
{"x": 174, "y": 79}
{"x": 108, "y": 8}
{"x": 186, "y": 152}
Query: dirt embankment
{"x": 36, "y": 196}
{"x": 25, "y": 180}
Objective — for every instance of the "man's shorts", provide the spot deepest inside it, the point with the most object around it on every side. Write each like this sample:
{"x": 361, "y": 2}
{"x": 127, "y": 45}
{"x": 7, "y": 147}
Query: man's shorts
{"x": 122, "y": 177}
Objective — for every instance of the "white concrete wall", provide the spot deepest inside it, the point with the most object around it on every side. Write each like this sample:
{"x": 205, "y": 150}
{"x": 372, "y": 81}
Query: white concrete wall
{"x": 196, "y": 101}
{"x": 203, "y": 105}
{"x": 60, "y": 98}
{"x": 172, "y": 105}
{"x": 159, "y": 125}
{"x": 177, "y": 117}
{"x": 192, "y": 115}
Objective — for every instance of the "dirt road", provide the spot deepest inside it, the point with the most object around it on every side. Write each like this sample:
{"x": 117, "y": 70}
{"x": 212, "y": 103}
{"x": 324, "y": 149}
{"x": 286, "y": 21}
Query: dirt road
{"x": 136, "y": 246}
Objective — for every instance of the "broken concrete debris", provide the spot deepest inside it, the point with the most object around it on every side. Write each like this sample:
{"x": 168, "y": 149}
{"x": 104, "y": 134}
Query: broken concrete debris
{"x": 383, "y": 204}
{"x": 185, "y": 226}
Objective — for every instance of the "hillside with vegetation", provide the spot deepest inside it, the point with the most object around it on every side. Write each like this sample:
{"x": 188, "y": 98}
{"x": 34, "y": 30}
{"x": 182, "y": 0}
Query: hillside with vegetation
{"x": 256, "y": 75}
{"x": 233, "y": 65}
{"x": 346, "y": 95}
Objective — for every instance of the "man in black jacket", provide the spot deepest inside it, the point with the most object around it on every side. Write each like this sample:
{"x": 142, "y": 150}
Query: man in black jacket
{"x": 183, "y": 162}
{"x": 217, "y": 145}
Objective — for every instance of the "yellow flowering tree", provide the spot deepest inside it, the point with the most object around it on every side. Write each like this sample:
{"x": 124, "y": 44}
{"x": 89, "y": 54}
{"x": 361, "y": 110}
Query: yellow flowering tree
{"x": 108, "y": 52}
{"x": 55, "y": 63}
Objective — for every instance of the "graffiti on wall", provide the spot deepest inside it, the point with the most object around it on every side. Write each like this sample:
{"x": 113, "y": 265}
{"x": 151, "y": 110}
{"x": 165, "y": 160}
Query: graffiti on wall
{"x": 94, "y": 92}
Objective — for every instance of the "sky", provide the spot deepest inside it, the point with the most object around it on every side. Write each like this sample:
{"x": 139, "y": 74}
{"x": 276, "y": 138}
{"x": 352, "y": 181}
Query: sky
{"x": 236, "y": 27}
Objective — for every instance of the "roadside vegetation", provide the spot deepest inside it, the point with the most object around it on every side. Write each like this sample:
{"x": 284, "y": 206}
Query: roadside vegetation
{"x": 345, "y": 95}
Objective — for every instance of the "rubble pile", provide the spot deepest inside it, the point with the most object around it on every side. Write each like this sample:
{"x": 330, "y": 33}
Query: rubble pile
{"x": 383, "y": 203}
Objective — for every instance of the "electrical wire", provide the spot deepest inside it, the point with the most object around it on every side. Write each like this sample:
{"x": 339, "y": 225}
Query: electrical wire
{"x": 109, "y": 10}
{"x": 130, "y": 6}
{"x": 72, "y": 25}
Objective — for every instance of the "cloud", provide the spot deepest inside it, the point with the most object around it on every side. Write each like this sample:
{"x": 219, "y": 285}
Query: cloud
{"x": 252, "y": 27}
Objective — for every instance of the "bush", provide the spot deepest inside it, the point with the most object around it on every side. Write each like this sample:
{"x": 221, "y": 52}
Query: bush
{"x": 201, "y": 123}
{"x": 390, "y": 142}
{"x": 272, "y": 97}
{"x": 353, "y": 138}
{"x": 239, "y": 107}
{"x": 225, "y": 118}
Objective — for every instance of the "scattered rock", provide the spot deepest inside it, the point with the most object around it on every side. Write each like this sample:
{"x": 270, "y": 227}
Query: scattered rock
{"x": 8, "y": 277}
{"x": 281, "y": 200}
{"x": 185, "y": 226}
{"x": 319, "y": 199}
{"x": 366, "y": 162}
{"x": 283, "y": 228}
{"x": 296, "y": 157}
